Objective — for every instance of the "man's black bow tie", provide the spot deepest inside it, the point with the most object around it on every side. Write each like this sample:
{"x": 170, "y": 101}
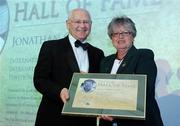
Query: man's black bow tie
{"x": 83, "y": 45}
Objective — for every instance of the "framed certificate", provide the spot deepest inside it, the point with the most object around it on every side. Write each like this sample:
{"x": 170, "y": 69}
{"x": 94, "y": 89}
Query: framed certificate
{"x": 116, "y": 95}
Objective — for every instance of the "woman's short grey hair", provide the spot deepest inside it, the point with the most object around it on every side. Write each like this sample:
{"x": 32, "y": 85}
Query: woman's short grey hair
{"x": 124, "y": 21}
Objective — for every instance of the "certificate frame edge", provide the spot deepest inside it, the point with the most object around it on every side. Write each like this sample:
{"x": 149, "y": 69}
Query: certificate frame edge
{"x": 74, "y": 113}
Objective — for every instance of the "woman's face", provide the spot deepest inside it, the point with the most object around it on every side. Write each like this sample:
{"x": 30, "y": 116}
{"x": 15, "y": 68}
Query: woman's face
{"x": 122, "y": 38}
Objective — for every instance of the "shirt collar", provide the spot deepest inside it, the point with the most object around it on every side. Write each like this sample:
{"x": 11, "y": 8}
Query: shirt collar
{"x": 72, "y": 39}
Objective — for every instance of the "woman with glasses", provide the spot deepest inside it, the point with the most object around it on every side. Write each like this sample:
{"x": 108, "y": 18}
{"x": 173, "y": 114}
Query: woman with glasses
{"x": 130, "y": 60}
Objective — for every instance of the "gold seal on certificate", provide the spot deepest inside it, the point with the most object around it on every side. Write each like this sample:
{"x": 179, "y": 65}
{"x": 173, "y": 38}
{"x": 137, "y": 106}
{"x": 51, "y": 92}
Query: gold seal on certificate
{"x": 117, "y": 95}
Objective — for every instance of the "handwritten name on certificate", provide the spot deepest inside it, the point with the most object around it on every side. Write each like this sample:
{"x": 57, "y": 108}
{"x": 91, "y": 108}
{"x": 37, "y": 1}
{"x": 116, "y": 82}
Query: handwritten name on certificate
{"x": 106, "y": 94}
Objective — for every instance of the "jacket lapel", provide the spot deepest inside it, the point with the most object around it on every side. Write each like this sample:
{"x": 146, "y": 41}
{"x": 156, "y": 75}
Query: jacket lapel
{"x": 127, "y": 59}
{"x": 71, "y": 60}
{"x": 108, "y": 67}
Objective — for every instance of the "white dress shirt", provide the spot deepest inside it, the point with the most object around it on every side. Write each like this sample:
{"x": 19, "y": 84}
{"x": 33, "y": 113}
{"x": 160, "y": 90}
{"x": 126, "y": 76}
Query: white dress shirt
{"x": 80, "y": 54}
{"x": 116, "y": 65}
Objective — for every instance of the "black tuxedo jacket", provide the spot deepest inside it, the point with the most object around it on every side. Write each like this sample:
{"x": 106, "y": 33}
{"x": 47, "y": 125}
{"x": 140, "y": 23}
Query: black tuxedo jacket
{"x": 55, "y": 67}
{"x": 137, "y": 61}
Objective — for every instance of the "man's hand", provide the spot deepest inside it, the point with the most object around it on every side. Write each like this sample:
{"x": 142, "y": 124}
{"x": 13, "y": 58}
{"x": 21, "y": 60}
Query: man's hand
{"x": 64, "y": 95}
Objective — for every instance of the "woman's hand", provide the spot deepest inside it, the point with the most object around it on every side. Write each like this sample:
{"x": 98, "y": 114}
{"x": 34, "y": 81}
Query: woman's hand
{"x": 107, "y": 118}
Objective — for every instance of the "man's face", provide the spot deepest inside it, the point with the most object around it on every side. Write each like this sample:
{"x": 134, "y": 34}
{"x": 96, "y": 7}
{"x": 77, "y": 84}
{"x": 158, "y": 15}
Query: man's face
{"x": 79, "y": 25}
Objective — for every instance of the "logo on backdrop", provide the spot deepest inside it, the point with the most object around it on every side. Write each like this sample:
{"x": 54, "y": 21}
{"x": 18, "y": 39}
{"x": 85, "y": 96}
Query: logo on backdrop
{"x": 4, "y": 23}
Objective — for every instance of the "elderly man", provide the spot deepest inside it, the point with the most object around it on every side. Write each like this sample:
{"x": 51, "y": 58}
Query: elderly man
{"x": 58, "y": 60}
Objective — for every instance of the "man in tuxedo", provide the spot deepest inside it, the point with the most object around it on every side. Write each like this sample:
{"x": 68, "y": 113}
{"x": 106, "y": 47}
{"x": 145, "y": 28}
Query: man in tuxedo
{"x": 57, "y": 61}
